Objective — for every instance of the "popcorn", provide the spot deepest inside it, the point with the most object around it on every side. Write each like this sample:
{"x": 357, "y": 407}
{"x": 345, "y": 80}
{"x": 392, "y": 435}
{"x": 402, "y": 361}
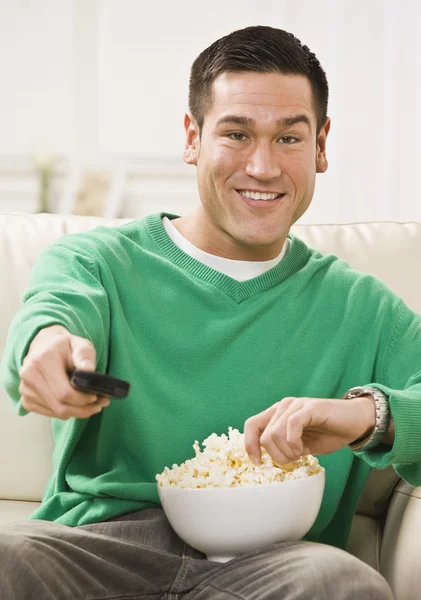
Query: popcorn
{"x": 224, "y": 462}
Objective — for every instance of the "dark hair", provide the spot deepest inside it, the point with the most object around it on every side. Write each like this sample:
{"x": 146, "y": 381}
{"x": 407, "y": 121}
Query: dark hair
{"x": 258, "y": 49}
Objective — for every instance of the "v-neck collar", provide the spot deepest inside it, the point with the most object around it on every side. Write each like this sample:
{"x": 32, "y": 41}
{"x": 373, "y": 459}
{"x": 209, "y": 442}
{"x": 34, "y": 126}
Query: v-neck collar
{"x": 295, "y": 259}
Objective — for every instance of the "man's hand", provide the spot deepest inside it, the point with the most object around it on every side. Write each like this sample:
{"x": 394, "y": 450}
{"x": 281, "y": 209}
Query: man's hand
{"x": 45, "y": 386}
{"x": 297, "y": 426}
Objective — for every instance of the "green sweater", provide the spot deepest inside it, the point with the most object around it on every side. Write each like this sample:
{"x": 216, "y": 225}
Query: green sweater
{"x": 203, "y": 352}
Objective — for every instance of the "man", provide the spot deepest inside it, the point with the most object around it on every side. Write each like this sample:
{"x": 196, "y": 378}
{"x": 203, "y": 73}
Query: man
{"x": 218, "y": 318}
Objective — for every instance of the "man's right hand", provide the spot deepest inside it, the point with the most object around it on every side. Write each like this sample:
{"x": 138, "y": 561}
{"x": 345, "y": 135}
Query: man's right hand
{"x": 45, "y": 387}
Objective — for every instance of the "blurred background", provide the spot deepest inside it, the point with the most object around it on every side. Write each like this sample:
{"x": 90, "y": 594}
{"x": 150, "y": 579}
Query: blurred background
{"x": 94, "y": 93}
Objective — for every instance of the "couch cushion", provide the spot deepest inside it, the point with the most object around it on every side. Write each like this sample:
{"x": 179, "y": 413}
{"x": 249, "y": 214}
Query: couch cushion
{"x": 365, "y": 540}
{"x": 401, "y": 549}
{"x": 14, "y": 510}
{"x": 390, "y": 251}
{"x": 378, "y": 492}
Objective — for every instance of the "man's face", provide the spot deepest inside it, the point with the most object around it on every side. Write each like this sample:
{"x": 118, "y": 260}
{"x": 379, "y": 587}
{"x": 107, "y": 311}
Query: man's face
{"x": 259, "y": 137}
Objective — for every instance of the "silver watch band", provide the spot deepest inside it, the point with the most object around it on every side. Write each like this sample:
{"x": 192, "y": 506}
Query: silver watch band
{"x": 382, "y": 417}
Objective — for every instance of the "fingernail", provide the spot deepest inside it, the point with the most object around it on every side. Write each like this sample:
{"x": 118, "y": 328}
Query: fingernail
{"x": 86, "y": 365}
{"x": 254, "y": 459}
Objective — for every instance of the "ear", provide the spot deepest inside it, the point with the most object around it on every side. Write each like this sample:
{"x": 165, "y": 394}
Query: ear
{"x": 321, "y": 160}
{"x": 192, "y": 147}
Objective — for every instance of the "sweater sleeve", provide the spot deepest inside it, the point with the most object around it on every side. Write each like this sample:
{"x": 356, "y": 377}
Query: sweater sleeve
{"x": 65, "y": 288}
{"x": 400, "y": 379}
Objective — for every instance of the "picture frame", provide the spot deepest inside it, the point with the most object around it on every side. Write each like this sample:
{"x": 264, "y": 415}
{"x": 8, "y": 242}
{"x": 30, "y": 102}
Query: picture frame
{"x": 94, "y": 189}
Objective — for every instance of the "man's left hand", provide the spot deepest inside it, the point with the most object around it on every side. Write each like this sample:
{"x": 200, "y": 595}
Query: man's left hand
{"x": 297, "y": 426}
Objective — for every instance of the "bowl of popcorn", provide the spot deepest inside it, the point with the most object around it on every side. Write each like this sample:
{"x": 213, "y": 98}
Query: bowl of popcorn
{"x": 222, "y": 504}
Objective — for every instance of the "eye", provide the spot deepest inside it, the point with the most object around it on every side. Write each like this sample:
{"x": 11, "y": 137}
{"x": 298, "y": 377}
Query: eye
{"x": 237, "y": 136}
{"x": 288, "y": 139}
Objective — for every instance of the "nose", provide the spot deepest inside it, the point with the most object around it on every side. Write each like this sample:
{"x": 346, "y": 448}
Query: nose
{"x": 263, "y": 162}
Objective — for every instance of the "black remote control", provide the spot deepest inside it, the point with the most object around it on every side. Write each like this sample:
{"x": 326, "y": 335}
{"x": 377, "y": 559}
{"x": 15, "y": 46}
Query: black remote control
{"x": 98, "y": 383}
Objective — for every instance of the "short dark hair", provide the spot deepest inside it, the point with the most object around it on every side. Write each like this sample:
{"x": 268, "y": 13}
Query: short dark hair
{"x": 259, "y": 49}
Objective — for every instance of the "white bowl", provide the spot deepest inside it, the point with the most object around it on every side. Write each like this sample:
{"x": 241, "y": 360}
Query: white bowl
{"x": 225, "y": 522}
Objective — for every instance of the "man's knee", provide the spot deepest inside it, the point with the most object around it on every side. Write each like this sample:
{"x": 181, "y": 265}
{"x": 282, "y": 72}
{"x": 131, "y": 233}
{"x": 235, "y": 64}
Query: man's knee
{"x": 22, "y": 561}
{"x": 12, "y": 558}
{"x": 296, "y": 571}
{"x": 340, "y": 575}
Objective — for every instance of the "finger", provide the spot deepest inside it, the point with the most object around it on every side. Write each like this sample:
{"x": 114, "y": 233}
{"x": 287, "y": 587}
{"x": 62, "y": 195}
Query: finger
{"x": 51, "y": 384}
{"x": 256, "y": 425}
{"x": 105, "y": 400}
{"x": 42, "y": 396}
{"x": 30, "y": 396}
{"x": 47, "y": 371}
{"x": 275, "y": 437}
{"x": 280, "y": 452}
{"x": 253, "y": 429}
{"x": 82, "y": 354}
{"x": 46, "y": 375}
{"x": 30, "y": 405}
{"x": 65, "y": 412}
{"x": 295, "y": 427}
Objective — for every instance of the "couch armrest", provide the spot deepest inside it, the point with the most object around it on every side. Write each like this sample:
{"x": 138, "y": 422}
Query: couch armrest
{"x": 400, "y": 557}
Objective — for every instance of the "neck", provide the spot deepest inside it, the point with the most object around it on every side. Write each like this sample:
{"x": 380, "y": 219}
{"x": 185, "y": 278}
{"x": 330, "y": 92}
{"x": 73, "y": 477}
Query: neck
{"x": 209, "y": 239}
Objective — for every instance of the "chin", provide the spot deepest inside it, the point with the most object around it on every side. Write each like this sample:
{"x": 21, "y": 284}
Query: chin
{"x": 259, "y": 249}
{"x": 261, "y": 239}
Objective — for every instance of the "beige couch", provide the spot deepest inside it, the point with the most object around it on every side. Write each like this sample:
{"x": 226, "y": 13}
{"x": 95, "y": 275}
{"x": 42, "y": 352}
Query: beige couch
{"x": 386, "y": 530}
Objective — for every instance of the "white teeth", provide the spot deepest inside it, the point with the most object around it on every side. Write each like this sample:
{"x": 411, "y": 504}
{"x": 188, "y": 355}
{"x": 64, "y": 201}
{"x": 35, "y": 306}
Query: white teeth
{"x": 258, "y": 195}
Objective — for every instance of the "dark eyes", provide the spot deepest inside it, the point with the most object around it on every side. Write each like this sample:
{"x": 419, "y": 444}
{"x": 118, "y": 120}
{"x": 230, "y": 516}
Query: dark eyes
{"x": 240, "y": 137}
{"x": 237, "y": 137}
{"x": 288, "y": 139}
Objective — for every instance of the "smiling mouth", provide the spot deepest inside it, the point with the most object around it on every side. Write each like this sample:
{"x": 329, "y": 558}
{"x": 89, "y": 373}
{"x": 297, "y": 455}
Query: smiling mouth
{"x": 263, "y": 197}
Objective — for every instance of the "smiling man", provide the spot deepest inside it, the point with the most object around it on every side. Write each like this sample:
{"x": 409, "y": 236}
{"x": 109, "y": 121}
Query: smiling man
{"x": 257, "y": 154}
{"x": 219, "y": 318}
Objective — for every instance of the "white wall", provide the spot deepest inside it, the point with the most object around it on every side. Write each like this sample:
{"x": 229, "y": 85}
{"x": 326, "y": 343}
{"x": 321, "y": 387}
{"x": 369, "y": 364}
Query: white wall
{"x": 107, "y": 80}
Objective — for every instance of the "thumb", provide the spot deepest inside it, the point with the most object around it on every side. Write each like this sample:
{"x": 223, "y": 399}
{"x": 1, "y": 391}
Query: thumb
{"x": 82, "y": 354}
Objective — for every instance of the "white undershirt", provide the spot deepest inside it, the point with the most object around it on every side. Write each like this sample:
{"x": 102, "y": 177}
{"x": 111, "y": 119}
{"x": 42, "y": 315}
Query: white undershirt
{"x": 236, "y": 269}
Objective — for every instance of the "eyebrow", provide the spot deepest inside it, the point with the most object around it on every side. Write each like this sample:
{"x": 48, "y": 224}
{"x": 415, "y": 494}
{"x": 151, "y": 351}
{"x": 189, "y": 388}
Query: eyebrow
{"x": 248, "y": 122}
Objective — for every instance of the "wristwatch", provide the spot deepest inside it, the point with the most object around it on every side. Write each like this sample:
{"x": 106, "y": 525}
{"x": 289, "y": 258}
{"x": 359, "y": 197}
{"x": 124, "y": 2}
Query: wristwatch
{"x": 382, "y": 417}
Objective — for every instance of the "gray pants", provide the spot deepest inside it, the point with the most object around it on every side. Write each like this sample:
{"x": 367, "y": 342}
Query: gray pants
{"x": 139, "y": 556}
